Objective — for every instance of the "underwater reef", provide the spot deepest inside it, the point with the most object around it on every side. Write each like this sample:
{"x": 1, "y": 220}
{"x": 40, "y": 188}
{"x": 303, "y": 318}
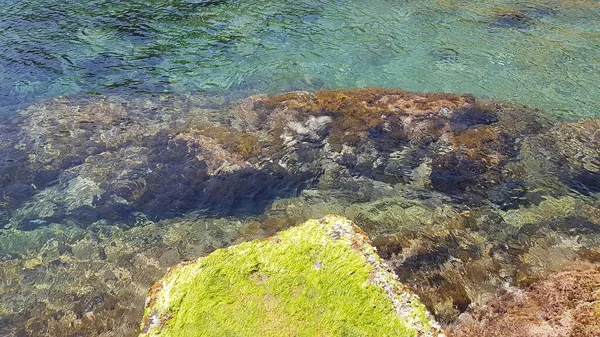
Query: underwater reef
{"x": 566, "y": 304}
{"x": 320, "y": 278}
{"x": 463, "y": 198}
{"x": 109, "y": 160}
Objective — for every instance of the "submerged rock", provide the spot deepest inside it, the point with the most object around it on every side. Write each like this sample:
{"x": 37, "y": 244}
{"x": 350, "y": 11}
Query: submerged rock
{"x": 512, "y": 18}
{"x": 565, "y": 304}
{"x": 463, "y": 198}
{"x": 455, "y": 261}
{"x": 110, "y": 159}
{"x": 579, "y": 144}
{"x": 63, "y": 280}
{"x": 319, "y": 278}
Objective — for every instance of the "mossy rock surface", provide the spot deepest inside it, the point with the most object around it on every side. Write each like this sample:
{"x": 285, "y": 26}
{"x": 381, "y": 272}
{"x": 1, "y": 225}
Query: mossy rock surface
{"x": 322, "y": 278}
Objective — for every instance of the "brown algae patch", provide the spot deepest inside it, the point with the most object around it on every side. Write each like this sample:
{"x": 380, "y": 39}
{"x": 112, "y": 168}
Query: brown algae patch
{"x": 462, "y": 197}
{"x": 357, "y": 110}
{"x": 363, "y": 103}
{"x": 565, "y": 304}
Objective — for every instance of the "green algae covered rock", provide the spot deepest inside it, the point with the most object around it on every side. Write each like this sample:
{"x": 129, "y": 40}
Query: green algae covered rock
{"x": 322, "y": 278}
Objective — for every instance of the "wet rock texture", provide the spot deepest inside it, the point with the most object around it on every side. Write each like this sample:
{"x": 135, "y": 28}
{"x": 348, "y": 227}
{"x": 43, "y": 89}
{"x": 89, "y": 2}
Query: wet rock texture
{"x": 463, "y": 198}
{"x": 108, "y": 159}
{"x": 116, "y": 158}
{"x": 319, "y": 278}
{"x": 566, "y": 304}
{"x": 65, "y": 281}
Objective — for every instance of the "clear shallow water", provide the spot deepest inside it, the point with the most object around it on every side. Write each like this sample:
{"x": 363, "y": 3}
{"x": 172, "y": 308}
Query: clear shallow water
{"x": 544, "y": 54}
{"x": 151, "y": 161}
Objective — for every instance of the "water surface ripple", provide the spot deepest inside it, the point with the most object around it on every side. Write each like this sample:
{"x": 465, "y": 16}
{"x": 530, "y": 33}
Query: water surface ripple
{"x": 138, "y": 134}
{"x": 542, "y": 53}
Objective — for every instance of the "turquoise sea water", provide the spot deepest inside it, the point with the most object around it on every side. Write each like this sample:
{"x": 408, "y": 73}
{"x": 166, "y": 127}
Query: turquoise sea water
{"x": 543, "y": 53}
{"x": 128, "y": 143}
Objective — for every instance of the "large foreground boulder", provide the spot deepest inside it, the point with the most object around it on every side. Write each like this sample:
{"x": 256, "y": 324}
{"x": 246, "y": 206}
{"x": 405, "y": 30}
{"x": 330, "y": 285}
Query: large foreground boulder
{"x": 322, "y": 278}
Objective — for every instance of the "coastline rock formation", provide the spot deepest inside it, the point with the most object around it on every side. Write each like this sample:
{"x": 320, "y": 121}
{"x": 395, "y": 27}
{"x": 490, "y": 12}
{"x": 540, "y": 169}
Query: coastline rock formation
{"x": 463, "y": 198}
{"x": 109, "y": 160}
{"x": 566, "y": 304}
{"x": 321, "y": 278}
